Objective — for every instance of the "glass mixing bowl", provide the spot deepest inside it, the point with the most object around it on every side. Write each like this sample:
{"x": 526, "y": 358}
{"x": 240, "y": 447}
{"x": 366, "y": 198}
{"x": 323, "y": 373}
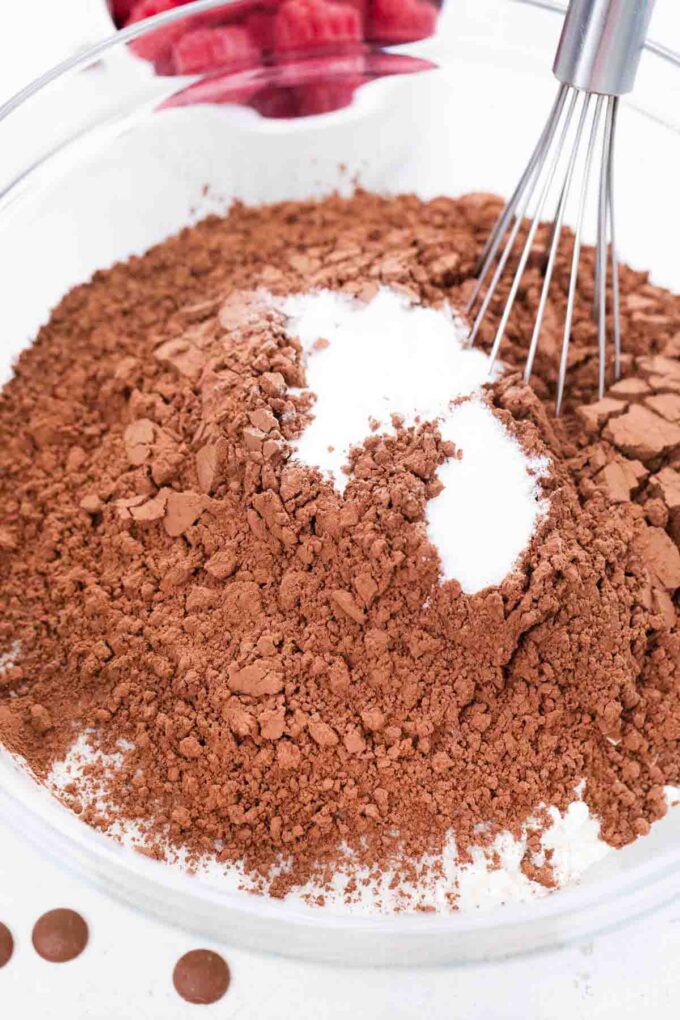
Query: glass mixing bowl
{"x": 99, "y": 162}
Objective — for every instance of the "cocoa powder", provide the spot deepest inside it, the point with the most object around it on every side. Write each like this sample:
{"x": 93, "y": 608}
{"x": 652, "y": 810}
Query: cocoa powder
{"x": 276, "y": 666}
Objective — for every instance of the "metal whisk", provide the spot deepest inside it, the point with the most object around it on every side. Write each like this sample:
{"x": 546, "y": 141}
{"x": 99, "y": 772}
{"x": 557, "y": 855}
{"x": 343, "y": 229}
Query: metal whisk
{"x": 596, "y": 63}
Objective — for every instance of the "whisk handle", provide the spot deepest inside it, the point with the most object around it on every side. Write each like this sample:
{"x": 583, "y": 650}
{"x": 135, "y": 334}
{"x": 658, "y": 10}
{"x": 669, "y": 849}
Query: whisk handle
{"x": 601, "y": 44}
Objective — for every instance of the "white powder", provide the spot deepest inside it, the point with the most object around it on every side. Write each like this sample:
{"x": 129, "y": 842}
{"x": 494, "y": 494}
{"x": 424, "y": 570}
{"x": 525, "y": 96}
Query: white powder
{"x": 573, "y": 838}
{"x": 493, "y": 877}
{"x": 383, "y": 357}
{"x": 487, "y": 512}
{"x": 388, "y": 357}
{"x": 9, "y": 658}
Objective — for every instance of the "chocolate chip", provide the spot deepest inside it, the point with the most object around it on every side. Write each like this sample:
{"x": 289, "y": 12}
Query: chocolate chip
{"x": 60, "y": 935}
{"x": 201, "y": 976}
{"x": 6, "y": 944}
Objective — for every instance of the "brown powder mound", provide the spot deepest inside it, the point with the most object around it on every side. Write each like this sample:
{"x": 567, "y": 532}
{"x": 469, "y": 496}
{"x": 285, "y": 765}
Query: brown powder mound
{"x": 283, "y": 659}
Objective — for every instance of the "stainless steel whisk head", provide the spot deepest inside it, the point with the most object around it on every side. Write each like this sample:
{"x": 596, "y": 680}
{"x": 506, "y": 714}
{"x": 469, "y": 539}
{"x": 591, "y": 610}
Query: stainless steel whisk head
{"x": 596, "y": 63}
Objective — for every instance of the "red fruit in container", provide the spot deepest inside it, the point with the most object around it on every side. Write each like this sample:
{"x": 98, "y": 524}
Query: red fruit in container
{"x": 142, "y": 9}
{"x": 208, "y": 48}
{"x": 229, "y": 14}
{"x": 156, "y": 46}
{"x": 311, "y": 24}
{"x": 260, "y": 25}
{"x": 361, "y": 7}
{"x": 401, "y": 21}
{"x": 121, "y": 10}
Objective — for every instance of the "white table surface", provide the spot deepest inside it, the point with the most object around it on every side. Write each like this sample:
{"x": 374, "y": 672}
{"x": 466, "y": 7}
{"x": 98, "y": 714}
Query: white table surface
{"x": 126, "y": 969}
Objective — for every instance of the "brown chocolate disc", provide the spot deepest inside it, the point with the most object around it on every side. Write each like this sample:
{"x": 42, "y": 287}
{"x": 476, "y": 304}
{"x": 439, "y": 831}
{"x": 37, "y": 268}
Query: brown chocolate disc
{"x": 60, "y": 935}
{"x": 6, "y": 944}
{"x": 201, "y": 976}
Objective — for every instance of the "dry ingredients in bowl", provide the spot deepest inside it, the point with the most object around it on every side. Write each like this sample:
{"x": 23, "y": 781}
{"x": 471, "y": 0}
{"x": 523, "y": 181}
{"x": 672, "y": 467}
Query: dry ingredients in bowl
{"x": 274, "y": 602}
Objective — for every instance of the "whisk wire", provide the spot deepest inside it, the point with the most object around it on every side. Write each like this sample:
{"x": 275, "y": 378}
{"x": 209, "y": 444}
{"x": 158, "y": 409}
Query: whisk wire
{"x": 601, "y": 257}
{"x": 496, "y": 236}
{"x": 555, "y": 238}
{"x": 576, "y": 254}
{"x": 526, "y": 252}
{"x": 574, "y": 113}
{"x": 529, "y": 179}
{"x": 612, "y": 111}
{"x": 596, "y": 63}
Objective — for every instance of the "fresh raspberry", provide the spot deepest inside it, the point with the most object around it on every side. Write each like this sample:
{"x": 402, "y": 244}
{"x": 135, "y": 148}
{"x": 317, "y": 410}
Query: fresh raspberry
{"x": 156, "y": 46}
{"x": 142, "y": 9}
{"x": 149, "y": 8}
{"x": 361, "y": 7}
{"x": 208, "y": 48}
{"x": 310, "y": 24}
{"x": 121, "y": 10}
{"x": 260, "y": 25}
{"x": 193, "y": 52}
{"x": 227, "y": 15}
{"x": 400, "y": 21}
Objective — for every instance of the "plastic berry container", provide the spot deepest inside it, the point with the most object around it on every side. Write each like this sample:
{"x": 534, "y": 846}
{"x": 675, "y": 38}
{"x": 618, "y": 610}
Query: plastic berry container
{"x": 106, "y": 155}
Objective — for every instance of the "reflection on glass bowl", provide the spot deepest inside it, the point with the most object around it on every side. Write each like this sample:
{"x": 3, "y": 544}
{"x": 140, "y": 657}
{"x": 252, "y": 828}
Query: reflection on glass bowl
{"x": 282, "y": 58}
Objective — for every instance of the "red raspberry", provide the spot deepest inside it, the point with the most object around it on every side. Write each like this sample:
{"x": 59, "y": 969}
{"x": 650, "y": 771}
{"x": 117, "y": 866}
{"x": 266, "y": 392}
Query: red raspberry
{"x": 208, "y": 48}
{"x": 310, "y": 24}
{"x": 361, "y": 7}
{"x": 149, "y": 8}
{"x": 228, "y": 15}
{"x": 261, "y": 28}
{"x": 156, "y": 46}
{"x": 121, "y": 10}
{"x": 400, "y": 21}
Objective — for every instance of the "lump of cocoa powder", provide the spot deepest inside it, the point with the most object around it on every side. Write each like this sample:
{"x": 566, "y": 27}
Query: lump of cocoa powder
{"x": 277, "y": 667}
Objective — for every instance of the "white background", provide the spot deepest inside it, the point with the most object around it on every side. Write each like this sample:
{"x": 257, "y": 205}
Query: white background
{"x": 126, "y": 970}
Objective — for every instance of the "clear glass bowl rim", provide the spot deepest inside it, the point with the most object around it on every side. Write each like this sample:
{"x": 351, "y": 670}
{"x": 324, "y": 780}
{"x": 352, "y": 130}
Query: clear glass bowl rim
{"x": 101, "y": 859}
{"x": 120, "y": 37}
